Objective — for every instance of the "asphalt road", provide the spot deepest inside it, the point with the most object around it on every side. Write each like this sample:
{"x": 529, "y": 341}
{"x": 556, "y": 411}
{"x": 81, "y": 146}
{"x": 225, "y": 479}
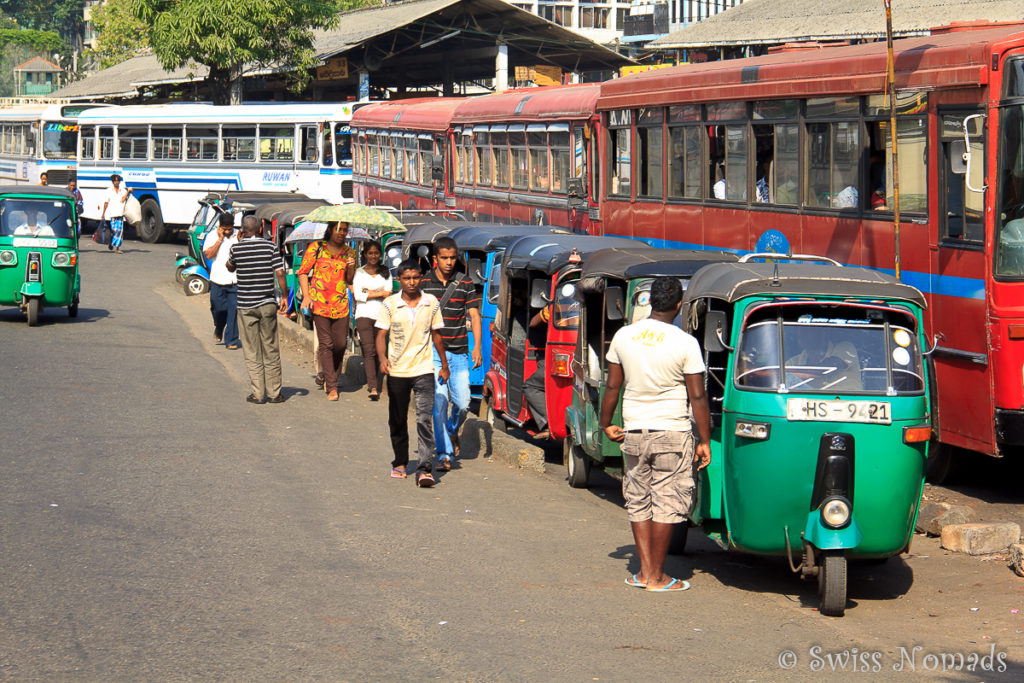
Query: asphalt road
{"x": 155, "y": 526}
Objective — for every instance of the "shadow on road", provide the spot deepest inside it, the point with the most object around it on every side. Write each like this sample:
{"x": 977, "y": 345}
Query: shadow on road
{"x": 54, "y": 316}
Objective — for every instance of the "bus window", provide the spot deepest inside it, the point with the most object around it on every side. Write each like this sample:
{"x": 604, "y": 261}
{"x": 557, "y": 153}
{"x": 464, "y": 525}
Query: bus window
{"x": 132, "y": 142}
{"x": 520, "y": 162}
{"x": 277, "y": 143}
{"x": 846, "y": 151}
{"x": 650, "y": 154}
{"x": 398, "y": 157}
{"x": 106, "y": 142}
{"x": 736, "y": 154}
{"x": 327, "y": 149}
{"x": 59, "y": 140}
{"x": 385, "y": 156}
{"x": 459, "y": 152}
{"x": 87, "y": 136}
{"x": 469, "y": 156}
{"x": 307, "y": 144}
{"x": 559, "y": 160}
{"x": 343, "y": 144}
{"x": 412, "y": 159}
{"x": 166, "y": 143}
{"x": 1010, "y": 246}
{"x": 619, "y": 153}
{"x": 964, "y": 208}
{"x": 817, "y": 165}
{"x": 499, "y": 147}
{"x": 239, "y": 143}
{"x": 483, "y": 156}
{"x": 685, "y": 153}
{"x": 540, "y": 175}
{"x": 426, "y": 160}
{"x": 201, "y": 143}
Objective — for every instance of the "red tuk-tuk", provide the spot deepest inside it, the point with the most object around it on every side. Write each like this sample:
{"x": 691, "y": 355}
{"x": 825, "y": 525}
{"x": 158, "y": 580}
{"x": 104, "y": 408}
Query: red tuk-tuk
{"x": 530, "y": 377}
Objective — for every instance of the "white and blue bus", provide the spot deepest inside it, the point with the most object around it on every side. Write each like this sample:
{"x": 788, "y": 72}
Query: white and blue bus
{"x": 172, "y": 155}
{"x": 39, "y": 138}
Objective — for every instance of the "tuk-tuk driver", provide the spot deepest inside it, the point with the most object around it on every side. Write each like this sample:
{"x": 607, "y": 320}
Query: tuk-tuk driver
{"x": 31, "y": 227}
{"x": 662, "y": 370}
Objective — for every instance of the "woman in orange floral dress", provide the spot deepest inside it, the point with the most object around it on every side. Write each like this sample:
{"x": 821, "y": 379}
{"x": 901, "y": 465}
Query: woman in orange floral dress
{"x": 325, "y": 275}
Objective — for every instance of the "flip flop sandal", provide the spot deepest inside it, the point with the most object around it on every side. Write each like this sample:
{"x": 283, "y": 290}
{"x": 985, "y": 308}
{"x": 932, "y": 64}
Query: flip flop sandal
{"x": 425, "y": 480}
{"x": 398, "y": 473}
{"x": 319, "y": 380}
{"x": 444, "y": 464}
{"x": 632, "y": 581}
{"x": 667, "y": 588}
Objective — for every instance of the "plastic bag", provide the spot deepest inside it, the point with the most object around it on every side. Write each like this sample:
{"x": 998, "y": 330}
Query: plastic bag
{"x": 133, "y": 210}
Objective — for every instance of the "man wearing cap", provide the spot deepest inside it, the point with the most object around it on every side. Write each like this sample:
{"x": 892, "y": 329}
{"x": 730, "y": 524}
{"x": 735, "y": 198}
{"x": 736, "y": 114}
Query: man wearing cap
{"x": 662, "y": 370}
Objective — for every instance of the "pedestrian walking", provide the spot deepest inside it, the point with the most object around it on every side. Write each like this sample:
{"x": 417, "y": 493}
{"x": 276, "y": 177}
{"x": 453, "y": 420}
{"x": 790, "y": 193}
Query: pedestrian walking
{"x": 371, "y": 285}
{"x": 257, "y": 263}
{"x": 223, "y": 282}
{"x": 113, "y": 208}
{"x": 325, "y": 274}
{"x": 79, "y": 205}
{"x": 662, "y": 371}
{"x": 459, "y": 301}
{"x": 408, "y": 324}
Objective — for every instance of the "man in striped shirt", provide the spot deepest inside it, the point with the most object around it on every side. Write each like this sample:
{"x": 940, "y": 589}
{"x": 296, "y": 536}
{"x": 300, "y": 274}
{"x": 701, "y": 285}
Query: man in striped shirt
{"x": 459, "y": 301}
{"x": 257, "y": 262}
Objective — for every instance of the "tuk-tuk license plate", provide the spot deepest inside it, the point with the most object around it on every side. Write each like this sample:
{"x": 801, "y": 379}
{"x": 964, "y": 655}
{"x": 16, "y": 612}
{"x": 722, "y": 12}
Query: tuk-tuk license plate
{"x": 877, "y": 412}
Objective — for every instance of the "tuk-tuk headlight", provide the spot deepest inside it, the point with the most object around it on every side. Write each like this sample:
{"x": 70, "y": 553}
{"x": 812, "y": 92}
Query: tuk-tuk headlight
{"x": 63, "y": 259}
{"x": 8, "y": 258}
{"x": 835, "y": 512}
{"x": 753, "y": 430}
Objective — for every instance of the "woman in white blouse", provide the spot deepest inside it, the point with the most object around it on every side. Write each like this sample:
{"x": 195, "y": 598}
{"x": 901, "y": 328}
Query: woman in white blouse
{"x": 371, "y": 285}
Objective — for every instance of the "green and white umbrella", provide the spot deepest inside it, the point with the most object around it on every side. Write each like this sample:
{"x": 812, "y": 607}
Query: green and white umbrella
{"x": 355, "y": 215}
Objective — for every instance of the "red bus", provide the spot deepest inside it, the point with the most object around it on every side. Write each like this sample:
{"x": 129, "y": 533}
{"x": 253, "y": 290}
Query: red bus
{"x": 791, "y": 153}
{"x": 521, "y": 156}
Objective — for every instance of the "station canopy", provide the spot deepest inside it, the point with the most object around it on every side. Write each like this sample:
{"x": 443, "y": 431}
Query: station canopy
{"x": 408, "y": 44}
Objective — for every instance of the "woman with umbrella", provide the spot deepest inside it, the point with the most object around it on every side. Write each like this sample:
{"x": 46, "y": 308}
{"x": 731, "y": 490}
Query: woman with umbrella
{"x": 325, "y": 275}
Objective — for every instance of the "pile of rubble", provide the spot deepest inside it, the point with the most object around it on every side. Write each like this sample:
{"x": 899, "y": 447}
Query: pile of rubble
{"x": 961, "y": 531}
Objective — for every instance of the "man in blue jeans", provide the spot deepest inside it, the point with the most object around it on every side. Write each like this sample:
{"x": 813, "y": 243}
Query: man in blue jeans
{"x": 223, "y": 282}
{"x": 459, "y": 301}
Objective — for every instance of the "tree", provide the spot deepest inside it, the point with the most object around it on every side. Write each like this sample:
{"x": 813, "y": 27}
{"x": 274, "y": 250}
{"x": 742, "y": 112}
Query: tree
{"x": 61, "y": 16}
{"x": 119, "y": 34}
{"x": 227, "y": 36}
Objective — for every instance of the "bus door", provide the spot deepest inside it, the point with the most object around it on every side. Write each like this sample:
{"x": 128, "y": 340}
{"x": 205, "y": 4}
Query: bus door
{"x": 307, "y": 161}
{"x": 958, "y": 274}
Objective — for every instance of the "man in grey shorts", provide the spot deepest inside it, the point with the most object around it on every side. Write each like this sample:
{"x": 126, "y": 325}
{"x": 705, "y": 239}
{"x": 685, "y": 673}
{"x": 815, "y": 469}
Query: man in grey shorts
{"x": 662, "y": 369}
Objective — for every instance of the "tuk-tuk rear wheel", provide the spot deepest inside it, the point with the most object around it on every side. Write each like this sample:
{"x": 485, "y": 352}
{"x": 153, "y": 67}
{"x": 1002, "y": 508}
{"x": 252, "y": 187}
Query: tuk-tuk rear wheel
{"x": 32, "y": 311}
{"x": 577, "y": 464}
{"x": 488, "y": 415}
{"x": 832, "y": 583}
{"x": 195, "y": 285}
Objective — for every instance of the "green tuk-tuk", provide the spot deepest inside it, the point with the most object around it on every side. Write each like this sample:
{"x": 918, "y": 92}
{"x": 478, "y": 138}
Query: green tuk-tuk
{"x": 38, "y": 250}
{"x": 614, "y": 290}
{"x": 819, "y": 397}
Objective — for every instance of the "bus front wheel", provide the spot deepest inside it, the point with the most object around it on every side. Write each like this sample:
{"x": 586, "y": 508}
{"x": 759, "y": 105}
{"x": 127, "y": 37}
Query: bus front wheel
{"x": 151, "y": 227}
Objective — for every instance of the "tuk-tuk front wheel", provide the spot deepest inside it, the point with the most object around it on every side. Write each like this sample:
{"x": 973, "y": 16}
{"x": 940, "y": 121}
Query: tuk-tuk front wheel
{"x": 179, "y": 274}
{"x": 488, "y": 415}
{"x": 577, "y": 464}
{"x": 195, "y": 285}
{"x": 32, "y": 311}
{"x": 832, "y": 583}
{"x": 73, "y": 308}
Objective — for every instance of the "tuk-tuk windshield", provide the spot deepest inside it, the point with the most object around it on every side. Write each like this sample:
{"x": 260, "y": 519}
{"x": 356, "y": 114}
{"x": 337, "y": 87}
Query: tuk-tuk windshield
{"x": 873, "y": 354}
{"x": 35, "y": 218}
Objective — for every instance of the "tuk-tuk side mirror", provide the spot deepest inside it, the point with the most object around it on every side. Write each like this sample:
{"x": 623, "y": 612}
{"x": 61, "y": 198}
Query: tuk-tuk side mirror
{"x": 614, "y": 303}
{"x": 437, "y": 167}
{"x": 539, "y": 293}
{"x": 716, "y": 332}
{"x": 475, "y": 270}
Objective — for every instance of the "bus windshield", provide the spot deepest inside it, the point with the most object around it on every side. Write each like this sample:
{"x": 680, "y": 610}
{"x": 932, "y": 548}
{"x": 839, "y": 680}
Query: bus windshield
{"x": 35, "y": 218}
{"x": 869, "y": 355}
{"x": 60, "y": 140}
{"x": 1010, "y": 216}
{"x": 343, "y": 145}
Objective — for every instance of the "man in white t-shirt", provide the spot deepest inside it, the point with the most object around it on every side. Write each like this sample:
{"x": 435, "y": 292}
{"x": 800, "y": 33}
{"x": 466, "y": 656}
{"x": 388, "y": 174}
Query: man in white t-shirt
{"x": 223, "y": 282}
{"x": 113, "y": 208}
{"x": 663, "y": 372}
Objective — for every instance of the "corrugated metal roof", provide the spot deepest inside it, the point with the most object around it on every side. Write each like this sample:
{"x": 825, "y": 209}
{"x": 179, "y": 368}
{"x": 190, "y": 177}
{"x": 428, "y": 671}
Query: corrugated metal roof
{"x": 482, "y": 22}
{"x": 783, "y": 21}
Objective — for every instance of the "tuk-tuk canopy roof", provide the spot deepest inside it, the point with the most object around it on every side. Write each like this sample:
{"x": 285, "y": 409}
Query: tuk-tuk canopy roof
{"x": 494, "y": 236}
{"x": 625, "y": 264}
{"x": 734, "y": 281}
{"x": 426, "y": 233}
{"x": 287, "y": 211}
{"x": 43, "y": 191}
{"x": 251, "y": 199}
{"x": 548, "y": 253}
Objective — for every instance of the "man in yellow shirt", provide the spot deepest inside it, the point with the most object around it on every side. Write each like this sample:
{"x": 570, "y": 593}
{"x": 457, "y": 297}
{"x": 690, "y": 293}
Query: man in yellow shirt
{"x": 411, "y": 321}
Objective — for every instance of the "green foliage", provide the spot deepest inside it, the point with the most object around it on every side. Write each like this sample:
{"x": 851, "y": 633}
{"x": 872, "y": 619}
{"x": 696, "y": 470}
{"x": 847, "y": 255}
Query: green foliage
{"x": 227, "y": 35}
{"x": 120, "y": 34}
{"x": 40, "y": 41}
{"x": 63, "y": 17}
